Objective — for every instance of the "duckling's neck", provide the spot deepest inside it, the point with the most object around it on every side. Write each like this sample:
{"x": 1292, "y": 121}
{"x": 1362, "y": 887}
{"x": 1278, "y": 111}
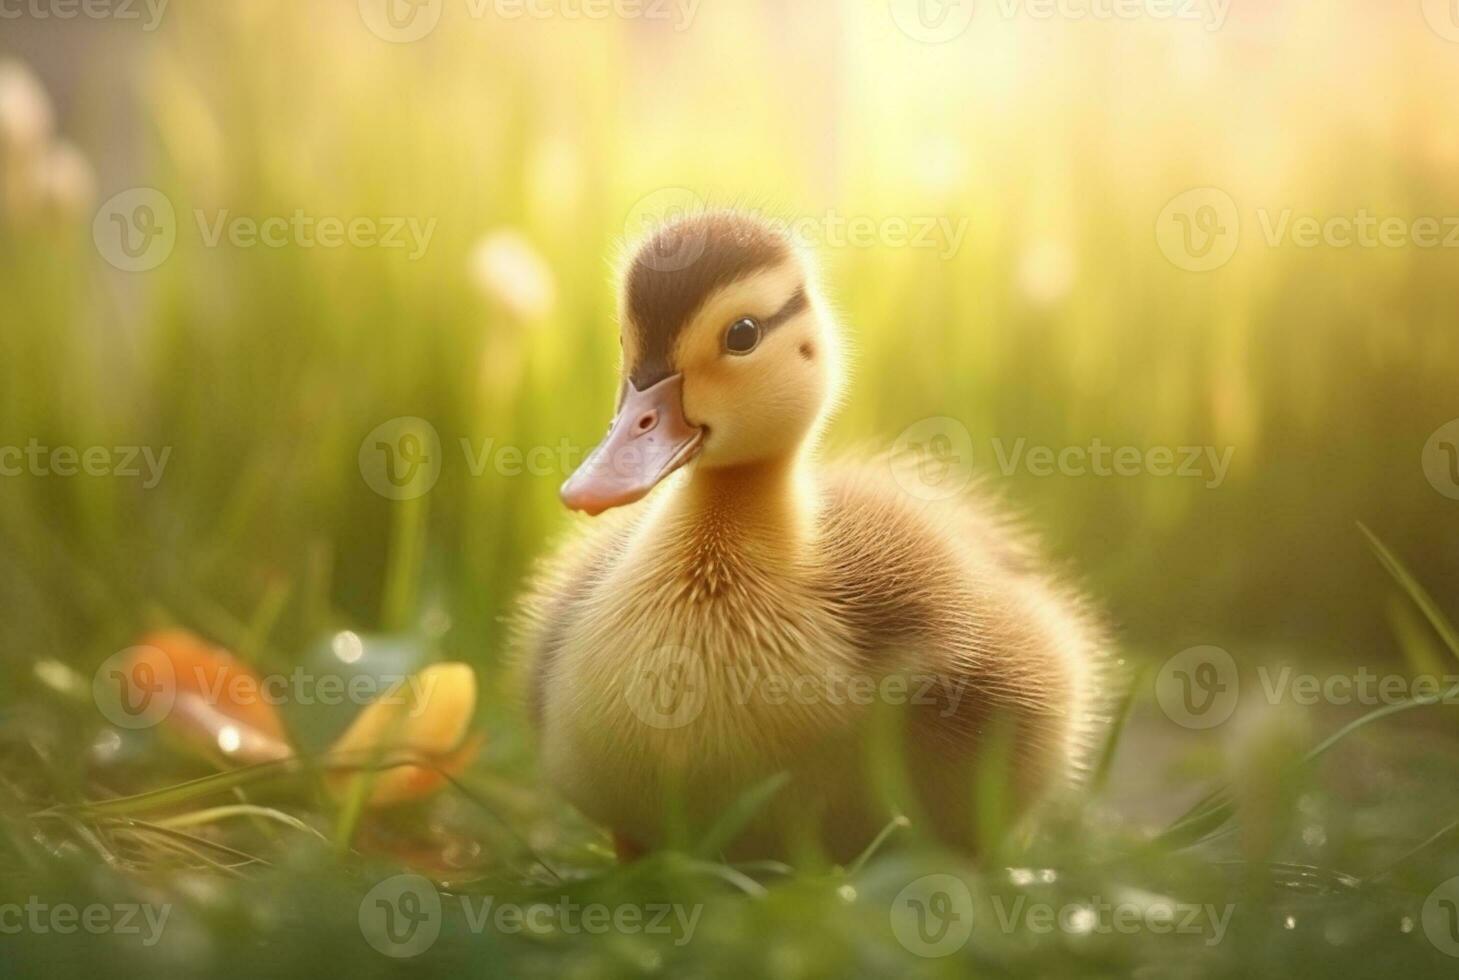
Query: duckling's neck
{"x": 761, "y": 513}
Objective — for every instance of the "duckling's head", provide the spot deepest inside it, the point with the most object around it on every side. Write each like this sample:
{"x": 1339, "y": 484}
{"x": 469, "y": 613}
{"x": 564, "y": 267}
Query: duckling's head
{"x": 728, "y": 357}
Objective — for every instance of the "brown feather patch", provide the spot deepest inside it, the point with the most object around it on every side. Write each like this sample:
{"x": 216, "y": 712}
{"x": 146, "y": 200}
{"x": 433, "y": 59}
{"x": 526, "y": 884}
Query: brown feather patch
{"x": 679, "y": 267}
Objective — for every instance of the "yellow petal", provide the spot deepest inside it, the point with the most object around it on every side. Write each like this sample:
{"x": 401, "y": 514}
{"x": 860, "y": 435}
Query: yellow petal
{"x": 424, "y": 717}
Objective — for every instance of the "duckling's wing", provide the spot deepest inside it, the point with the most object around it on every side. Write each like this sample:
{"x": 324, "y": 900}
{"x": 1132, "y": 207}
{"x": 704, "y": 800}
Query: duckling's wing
{"x": 955, "y": 588}
{"x": 557, "y": 590}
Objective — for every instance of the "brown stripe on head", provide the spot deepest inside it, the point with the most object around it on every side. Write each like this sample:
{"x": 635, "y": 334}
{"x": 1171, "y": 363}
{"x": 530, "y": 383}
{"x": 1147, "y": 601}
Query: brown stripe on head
{"x": 679, "y": 267}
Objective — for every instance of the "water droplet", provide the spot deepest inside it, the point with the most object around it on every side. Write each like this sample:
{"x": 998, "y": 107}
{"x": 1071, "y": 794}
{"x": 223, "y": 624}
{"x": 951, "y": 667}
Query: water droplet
{"x": 108, "y": 743}
{"x": 1083, "y": 920}
{"x": 347, "y": 646}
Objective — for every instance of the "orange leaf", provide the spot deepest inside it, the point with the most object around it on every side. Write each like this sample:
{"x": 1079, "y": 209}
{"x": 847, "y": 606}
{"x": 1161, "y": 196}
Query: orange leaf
{"x": 212, "y": 701}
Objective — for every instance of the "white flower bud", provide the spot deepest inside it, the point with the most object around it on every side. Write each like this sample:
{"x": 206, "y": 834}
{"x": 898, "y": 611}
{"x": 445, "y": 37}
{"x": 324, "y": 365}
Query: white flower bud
{"x": 509, "y": 271}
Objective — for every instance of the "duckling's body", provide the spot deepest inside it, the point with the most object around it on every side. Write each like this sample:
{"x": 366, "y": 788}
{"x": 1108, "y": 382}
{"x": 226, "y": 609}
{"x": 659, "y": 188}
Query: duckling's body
{"x": 762, "y": 613}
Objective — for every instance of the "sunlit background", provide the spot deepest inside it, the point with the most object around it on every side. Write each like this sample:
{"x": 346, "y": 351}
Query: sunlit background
{"x": 1024, "y": 275}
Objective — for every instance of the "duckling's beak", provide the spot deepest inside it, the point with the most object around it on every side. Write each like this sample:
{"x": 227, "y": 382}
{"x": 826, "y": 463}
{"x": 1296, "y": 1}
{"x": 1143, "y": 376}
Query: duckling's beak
{"x": 649, "y": 439}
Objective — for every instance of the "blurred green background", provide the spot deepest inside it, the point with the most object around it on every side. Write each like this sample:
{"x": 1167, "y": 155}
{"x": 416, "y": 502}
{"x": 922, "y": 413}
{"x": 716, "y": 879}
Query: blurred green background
{"x": 1050, "y": 146}
{"x": 533, "y": 147}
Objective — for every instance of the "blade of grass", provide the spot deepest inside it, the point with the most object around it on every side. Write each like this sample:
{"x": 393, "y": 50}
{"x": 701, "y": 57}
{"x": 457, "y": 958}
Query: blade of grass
{"x": 723, "y": 872}
{"x": 1415, "y": 591}
{"x": 895, "y": 824}
{"x": 739, "y": 814}
{"x": 402, "y": 576}
{"x": 991, "y": 790}
{"x": 351, "y": 809}
{"x": 1215, "y": 809}
{"x": 248, "y": 810}
{"x": 190, "y": 840}
{"x": 1126, "y": 702}
{"x": 1413, "y": 852}
{"x": 265, "y": 617}
{"x": 152, "y": 844}
{"x": 191, "y": 790}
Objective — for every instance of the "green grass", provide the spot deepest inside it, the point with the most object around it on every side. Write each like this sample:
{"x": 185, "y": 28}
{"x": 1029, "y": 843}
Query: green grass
{"x": 264, "y": 369}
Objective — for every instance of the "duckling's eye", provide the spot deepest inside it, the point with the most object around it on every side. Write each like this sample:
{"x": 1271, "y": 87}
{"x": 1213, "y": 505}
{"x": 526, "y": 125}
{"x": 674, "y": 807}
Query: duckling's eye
{"x": 742, "y": 337}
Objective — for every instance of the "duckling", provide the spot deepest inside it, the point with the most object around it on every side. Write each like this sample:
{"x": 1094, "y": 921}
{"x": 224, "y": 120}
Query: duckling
{"x": 760, "y": 611}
